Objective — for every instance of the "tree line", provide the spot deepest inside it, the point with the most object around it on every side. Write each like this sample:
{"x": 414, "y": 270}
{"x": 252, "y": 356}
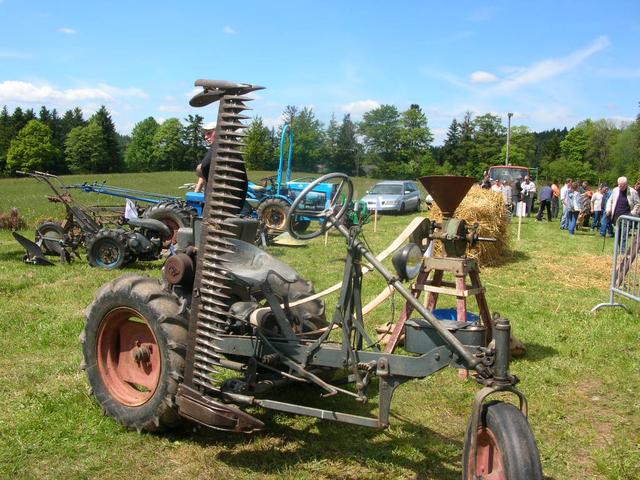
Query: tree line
{"x": 386, "y": 143}
{"x": 72, "y": 144}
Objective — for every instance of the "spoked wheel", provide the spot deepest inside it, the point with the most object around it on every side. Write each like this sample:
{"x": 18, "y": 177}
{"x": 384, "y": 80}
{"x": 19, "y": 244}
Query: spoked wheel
{"x": 134, "y": 347}
{"x": 506, "y": 448}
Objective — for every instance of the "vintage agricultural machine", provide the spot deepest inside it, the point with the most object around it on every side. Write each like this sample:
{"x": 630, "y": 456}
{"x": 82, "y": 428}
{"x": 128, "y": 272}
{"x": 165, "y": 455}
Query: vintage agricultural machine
{"x": 111, "y": 241}
{"x": 229, "y": 322}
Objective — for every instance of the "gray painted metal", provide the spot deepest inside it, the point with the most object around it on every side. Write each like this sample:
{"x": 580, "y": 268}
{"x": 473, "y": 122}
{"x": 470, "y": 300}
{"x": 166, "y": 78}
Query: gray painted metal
{"x": 319, "y": 413}
{"x": 625, "y": 273}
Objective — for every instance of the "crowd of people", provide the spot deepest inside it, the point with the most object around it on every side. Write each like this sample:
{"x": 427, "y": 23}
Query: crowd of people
{"x": 582, "y": 206}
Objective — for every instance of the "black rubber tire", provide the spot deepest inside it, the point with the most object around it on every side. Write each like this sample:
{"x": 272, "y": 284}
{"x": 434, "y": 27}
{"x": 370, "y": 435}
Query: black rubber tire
{"x": 514, "y": 439}
{"x": 49, "y": 229}
{"x": 173, "y": 214}
{"x": 166, "y": 318}
{"x": 402, "y": 209}
{"x": 108, "y": 249}
{"x": 273, "y": 212}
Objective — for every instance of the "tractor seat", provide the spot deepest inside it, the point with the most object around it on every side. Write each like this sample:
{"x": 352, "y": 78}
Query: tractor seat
{"x": 254, "y": 267}
{"x": 151, "y": 224}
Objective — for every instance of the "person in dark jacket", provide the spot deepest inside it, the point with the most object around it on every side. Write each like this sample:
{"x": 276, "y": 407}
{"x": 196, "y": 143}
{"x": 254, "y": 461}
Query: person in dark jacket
{"x": 203, "y": 168}
{"x": 546, "y": 194}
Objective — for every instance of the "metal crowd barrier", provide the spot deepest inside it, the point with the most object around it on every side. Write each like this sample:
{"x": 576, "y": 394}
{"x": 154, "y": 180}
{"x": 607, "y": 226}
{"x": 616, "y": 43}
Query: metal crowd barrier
{"x": 625, "y": 273}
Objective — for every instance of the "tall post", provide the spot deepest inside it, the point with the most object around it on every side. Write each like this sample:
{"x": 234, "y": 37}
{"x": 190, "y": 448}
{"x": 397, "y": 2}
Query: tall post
{"x": 509, "y": 115}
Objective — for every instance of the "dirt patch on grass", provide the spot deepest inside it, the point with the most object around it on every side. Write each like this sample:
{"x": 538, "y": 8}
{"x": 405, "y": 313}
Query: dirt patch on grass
{"x": 584, "y": 271}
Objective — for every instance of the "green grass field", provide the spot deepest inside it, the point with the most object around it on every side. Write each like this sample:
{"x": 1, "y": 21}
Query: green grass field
{"x": 581, "y": 372}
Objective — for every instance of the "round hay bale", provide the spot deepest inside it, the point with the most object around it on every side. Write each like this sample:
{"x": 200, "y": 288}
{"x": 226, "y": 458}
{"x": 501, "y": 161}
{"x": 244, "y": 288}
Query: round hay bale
{"x": 488, "y": 209}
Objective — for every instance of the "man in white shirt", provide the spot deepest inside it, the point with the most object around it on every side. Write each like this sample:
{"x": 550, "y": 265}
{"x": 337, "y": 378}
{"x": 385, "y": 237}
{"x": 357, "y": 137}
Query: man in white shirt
{"x": 565, "y": 207}
{"x": 528, "y": 193}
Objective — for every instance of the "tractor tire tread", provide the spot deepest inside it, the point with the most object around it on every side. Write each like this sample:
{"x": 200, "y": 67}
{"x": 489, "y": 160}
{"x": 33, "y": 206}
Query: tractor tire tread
{"x": 160, "y": 411}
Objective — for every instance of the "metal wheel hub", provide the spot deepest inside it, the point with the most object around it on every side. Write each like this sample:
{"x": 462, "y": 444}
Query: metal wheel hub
{"x": 108, "y": 253}
{"x": 128, "y": 356}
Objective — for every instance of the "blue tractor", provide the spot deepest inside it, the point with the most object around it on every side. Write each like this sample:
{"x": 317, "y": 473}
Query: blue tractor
{"x": 273, "y": 199}
{"x": 269, "y": 201}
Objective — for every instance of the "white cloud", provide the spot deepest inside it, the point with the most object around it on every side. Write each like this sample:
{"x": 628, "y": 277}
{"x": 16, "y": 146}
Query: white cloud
{"x": 68, "y": 31}
{"x": 172, "y": 108}
{"x": 546, "y": 69}
{"x": 273, "y": 122}
{"x": 359, "y": 106}
{"x": 13, "y": 54}
{"x": 482, "y": 77}
{"x": 229, "y": 30}
{"x": 18, "y": 91}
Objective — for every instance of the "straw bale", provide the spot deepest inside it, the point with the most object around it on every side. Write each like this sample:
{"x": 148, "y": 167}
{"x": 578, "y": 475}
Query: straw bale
{"x": 488, "y": 209}
{"x": 12, "y": 220}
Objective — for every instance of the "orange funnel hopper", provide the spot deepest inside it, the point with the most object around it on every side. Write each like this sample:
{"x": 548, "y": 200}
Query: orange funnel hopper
{"x": 447, "y": 191}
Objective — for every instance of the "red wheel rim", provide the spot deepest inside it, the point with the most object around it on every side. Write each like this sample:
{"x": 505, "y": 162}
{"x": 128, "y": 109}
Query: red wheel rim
{"x": 173, "y": 226}
{"x": 128, "y": 356}
{"x": 489, "y": 464}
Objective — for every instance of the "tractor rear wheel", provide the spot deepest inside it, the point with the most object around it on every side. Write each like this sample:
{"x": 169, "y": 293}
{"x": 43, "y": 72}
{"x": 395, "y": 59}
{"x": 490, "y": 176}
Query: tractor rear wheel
{"x": 506, "y": 448}
{"x": 134, "y": 347}
{"x": 108, "y": 249}
{"x": 173, "y": 215}
{"x": 273, "y": 212}
{"x": 51, "y": 234}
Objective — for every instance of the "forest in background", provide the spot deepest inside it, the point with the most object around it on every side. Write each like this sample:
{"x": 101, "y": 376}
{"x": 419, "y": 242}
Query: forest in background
{"x": 386, "y": 143}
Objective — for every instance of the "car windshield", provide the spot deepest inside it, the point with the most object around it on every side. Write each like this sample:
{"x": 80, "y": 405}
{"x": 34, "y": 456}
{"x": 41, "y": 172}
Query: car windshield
{"x": 386, "y": 190}
{"x": 508, "y": 174}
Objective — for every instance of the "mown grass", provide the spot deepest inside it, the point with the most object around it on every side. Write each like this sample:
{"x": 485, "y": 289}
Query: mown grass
{"x": 580, "y": 373}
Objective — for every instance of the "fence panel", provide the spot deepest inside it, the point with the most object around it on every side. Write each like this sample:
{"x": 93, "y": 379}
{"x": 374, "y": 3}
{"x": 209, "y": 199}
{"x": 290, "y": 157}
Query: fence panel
{"x": 625, "y": 273}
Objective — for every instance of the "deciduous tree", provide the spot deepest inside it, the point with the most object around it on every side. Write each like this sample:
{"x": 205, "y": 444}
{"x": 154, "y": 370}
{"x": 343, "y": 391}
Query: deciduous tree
{"x": 139, "y": 155}
{"x": 32, "y": 149}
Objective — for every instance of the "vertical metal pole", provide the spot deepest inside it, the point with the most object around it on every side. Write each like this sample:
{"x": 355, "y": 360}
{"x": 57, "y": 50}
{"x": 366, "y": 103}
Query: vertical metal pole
{"x": 509, "y": 115}
{"x": 614, "y": 270}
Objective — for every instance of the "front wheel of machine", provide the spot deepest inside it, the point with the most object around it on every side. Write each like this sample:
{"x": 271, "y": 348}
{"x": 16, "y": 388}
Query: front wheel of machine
{"x": 506, "y": 448}
{"x": 108, "y": 249}
{"x": 134, "y": 349}
{"x": 50, "y": 234}
{"x": 273, "y": 212}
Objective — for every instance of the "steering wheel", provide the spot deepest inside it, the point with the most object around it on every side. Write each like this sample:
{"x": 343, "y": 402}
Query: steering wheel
{"x": 323, "y": 215}
{"x": 269, "y": 182}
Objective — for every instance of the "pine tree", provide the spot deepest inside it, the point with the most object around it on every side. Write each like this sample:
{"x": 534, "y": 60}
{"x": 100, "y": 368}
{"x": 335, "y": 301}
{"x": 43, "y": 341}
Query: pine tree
{"x": 114, "y": 161}
{"x": 70, "y": 120}
{"x": 330, "y": 145}
{"x": 6, "y": 135}
{"x": 193, "y": 139}
{"x": 348, "y": 150}
{"x": 260, "y": 153}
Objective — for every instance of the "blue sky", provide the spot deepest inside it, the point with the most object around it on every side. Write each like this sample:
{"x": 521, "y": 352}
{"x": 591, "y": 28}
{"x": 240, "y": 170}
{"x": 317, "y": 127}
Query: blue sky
{"x": 552, "y": 63}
